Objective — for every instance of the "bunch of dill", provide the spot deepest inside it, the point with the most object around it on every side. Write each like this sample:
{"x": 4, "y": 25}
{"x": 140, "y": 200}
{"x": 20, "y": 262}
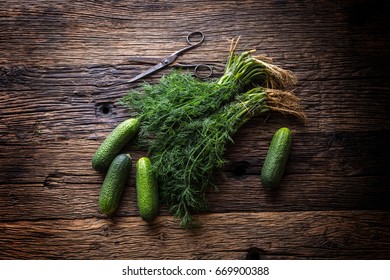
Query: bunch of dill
{"x": 186, "y": 123}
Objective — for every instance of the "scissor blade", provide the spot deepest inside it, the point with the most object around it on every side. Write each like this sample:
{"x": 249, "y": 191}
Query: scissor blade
{"x": 148, "y": 72}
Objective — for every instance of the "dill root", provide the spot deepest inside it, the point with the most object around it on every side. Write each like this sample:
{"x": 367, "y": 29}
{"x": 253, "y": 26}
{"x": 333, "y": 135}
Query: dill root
{"x": 186, "y": 123}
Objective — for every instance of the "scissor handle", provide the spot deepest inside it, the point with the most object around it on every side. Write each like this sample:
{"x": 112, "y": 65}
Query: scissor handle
{"x": 192, "y": 44}
{"x": 200, "y": 68}
{"x": 191, "y": 38}
{"x": 201, "y": 71}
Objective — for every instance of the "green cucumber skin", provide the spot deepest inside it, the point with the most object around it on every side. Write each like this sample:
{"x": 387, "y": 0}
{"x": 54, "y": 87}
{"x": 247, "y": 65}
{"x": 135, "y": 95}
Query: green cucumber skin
{"x": 276, "y": 159}
{"x": 114, "y": 143}
{"x": 147, "y": 190}
{"x": 114, "y": 182}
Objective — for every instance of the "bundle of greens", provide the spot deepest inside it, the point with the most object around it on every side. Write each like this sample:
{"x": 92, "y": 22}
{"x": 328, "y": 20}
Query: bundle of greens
{"x": 186, "y": 123}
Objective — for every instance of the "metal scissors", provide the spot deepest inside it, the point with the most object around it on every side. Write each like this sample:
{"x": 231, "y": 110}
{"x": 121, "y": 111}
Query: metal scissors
{"x": 201, "y": 70}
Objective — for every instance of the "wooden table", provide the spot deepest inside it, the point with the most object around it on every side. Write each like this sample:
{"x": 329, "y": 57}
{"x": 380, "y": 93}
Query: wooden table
{"x": 63, "y": 64}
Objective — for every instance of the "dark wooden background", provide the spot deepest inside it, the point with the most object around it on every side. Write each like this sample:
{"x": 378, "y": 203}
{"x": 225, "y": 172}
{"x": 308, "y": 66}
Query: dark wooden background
{"x": 63, "y": 65}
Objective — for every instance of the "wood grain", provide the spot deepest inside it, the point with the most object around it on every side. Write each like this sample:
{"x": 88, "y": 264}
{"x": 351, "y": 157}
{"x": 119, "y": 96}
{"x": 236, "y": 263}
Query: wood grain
{"x": 268, "y": 235}
{"x": 64, "y": 67}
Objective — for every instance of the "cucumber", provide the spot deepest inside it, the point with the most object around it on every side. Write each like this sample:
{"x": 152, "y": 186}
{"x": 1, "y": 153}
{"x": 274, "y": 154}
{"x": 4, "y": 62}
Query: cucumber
{"x": 114, "y": 143}
{"x": 147, "y": 190}
{"x": 276, "y": 159}
{"x": 114, "y": 182}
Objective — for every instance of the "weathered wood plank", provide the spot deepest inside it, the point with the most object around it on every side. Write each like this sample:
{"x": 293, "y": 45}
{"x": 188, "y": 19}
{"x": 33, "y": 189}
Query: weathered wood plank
{"x": 325, "y": 172}
{"x": 75, "y": 196}
{"x": 326, "y": 36}
{"x": 311, "y": 235}
{"x": 47, "y": 99}
{"x": 334, "y": 153}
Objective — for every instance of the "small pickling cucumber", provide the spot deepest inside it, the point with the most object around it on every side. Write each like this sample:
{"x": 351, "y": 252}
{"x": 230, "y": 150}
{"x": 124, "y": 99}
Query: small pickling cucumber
{"x": 147, "y": 190}
{"x": 114, "y": 182}
{"x": 114, "y": 143}
{"x": 276, "y": 159}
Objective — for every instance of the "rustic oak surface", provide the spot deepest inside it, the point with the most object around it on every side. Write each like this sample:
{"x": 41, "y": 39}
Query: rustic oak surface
{"x": 63, "y": 67}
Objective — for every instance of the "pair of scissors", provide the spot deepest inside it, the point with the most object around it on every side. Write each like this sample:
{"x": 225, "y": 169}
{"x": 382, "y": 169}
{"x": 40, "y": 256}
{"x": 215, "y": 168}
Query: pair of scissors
{"x": 201, "y": 70}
